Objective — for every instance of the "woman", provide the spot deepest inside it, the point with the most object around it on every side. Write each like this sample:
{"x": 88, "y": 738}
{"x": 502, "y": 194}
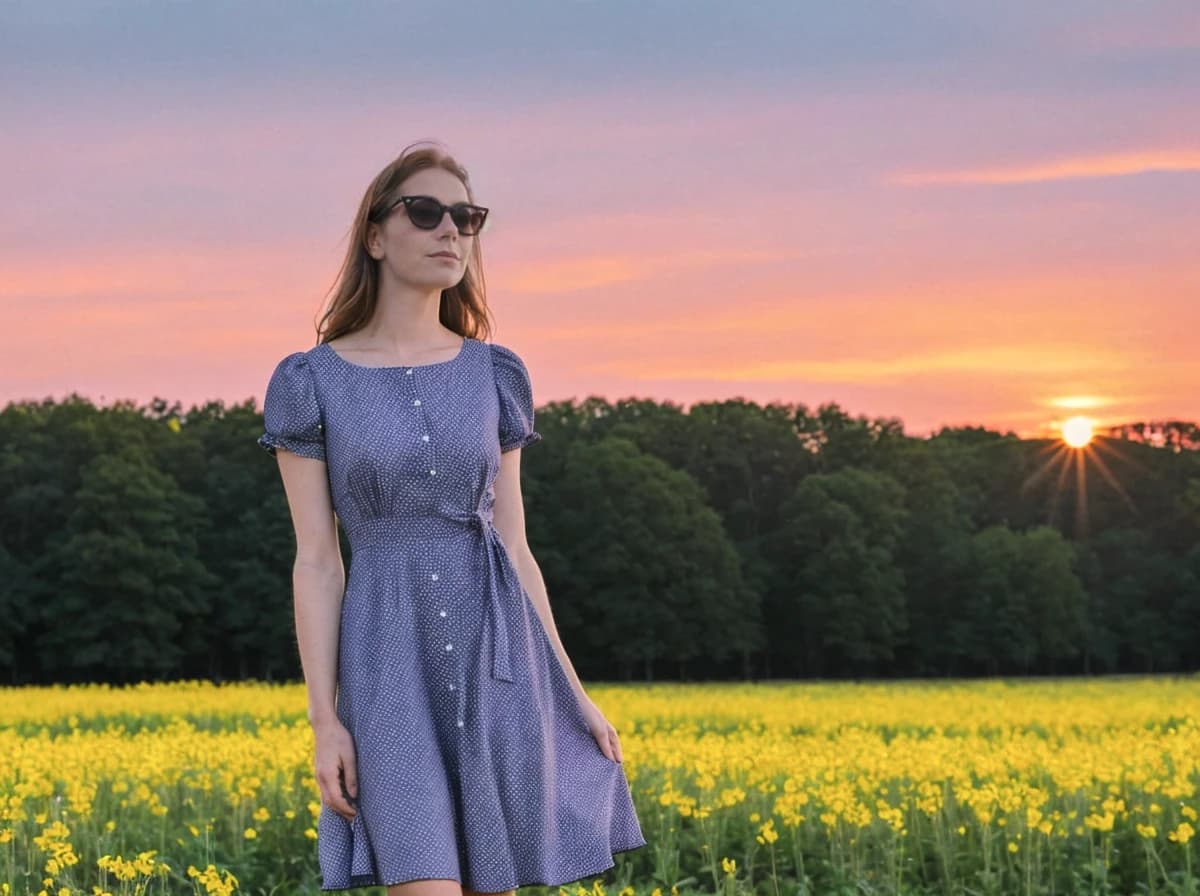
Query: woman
{"x": 456, "y": 750}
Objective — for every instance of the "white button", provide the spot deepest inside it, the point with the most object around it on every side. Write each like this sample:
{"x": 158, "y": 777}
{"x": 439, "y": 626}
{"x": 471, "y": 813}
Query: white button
{"x": 451, "y": 685}
{"x": 434, "y": 577}
{"x": 433, "y": 472}
{"x": 443, "y": 613}
{"x": 424, "y": 438}
{"x": 416, "y": 401}
{"x": 409, "y": 371}
{"x": 449, "y": 646}
{"x": 460, "y": 723}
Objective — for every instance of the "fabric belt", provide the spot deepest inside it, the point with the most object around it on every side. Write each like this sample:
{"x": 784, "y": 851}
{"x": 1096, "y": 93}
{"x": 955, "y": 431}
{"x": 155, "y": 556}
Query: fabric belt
{"x": 495, "y": 575}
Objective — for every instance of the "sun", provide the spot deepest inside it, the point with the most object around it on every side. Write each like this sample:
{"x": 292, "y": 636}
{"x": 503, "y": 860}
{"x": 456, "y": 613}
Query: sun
{"x": 1082, "y": 444}
{"x": 1078, "y": 431}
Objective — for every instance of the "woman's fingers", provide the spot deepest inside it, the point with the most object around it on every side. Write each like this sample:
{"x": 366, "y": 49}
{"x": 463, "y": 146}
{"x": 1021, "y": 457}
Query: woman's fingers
{"x": 331, "y": 793}
{"x": 350, "y": 772}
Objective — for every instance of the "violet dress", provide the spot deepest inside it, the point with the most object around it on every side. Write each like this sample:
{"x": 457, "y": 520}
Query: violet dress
{"x": 475, "y": 762}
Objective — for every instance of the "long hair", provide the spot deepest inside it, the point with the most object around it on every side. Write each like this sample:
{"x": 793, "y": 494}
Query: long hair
{"x": 355, "y": 293}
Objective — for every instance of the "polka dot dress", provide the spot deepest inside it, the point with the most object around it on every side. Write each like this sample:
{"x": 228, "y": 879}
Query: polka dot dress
{"x": 475, "y": 762}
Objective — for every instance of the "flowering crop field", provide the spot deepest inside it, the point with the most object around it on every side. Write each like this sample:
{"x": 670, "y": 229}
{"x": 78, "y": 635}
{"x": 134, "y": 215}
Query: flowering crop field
{"x": 1047, "y": 786}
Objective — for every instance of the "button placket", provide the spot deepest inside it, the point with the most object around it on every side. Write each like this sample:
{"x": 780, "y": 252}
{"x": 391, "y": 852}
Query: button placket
{"x": 447, "y": 630}
{"x": 452, "y": 660}
{"x": 456, "y": 685}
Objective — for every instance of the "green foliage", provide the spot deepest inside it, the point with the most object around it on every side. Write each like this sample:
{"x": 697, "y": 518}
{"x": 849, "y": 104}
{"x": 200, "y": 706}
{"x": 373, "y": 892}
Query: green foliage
{"x": 731, "y": 540}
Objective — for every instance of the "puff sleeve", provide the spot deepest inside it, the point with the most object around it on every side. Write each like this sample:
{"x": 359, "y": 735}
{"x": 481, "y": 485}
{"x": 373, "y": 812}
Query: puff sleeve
{"x": 516, "y": 399}
{"x": 291, "y": 415}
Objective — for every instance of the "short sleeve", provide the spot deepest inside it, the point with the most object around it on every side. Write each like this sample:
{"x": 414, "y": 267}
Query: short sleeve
{"x": 516, "y": 399}
{"x": 291, "y": 415}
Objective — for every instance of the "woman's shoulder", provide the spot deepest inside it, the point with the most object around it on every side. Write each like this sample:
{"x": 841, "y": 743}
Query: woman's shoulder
{"x": 297, "y": 374}
{"x": 298, "y": 358}
{"x": 294, "y": 364}
{"x": 507, "y": 360}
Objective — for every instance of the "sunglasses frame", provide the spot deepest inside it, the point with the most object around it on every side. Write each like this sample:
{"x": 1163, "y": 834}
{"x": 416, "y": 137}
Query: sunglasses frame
{"x": 406, "y": 201}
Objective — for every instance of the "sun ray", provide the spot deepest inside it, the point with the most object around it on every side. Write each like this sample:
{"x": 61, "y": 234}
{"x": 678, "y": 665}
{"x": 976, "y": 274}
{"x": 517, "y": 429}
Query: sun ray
{"x": 1107, "y": 474}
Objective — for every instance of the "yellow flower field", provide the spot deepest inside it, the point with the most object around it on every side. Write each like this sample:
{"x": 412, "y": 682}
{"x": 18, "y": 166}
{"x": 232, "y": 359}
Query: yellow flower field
{"x": 916, "y": 787}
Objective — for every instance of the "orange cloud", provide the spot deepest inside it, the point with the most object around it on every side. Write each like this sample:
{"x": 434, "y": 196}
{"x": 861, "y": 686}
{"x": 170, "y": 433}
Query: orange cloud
{"x": 584, "y": 272}
{"x": 1106, "y": 165}
{"x": 1009, "y": 361}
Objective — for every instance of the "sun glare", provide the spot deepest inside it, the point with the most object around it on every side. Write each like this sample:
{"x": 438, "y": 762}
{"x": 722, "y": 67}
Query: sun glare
{"x": 1077, "y": 431}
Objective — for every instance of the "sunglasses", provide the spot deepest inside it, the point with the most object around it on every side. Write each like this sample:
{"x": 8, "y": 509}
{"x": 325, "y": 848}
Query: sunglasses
{"x": 426, "y": 213}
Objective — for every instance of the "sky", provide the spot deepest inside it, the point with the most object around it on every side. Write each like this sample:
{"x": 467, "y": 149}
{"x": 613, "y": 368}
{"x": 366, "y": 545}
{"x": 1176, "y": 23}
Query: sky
{"x": 981, "y": 214}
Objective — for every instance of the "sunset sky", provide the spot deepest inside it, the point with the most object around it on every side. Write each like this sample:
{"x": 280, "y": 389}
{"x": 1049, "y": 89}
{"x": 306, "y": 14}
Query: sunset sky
{"x": 952, "y": 213}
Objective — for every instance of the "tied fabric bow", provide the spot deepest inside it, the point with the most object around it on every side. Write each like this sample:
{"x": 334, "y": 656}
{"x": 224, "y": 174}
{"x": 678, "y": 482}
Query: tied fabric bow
{"x": 496, "y": 575}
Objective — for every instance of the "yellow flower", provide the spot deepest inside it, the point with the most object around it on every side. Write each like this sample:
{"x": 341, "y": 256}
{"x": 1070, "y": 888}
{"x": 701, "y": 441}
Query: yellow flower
{"x": 729, "y": 866}
{"x": 1182, "y": 834}
{"x": 1100, "y": 822}
{"x": 250, "y": 833}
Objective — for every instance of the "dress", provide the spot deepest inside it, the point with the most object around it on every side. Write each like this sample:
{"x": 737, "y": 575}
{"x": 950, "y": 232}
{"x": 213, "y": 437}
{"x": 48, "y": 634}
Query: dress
{"x": 475, "y": 762}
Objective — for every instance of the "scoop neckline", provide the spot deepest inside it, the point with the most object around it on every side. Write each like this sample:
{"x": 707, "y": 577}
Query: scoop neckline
{"x": 462, "y": 349}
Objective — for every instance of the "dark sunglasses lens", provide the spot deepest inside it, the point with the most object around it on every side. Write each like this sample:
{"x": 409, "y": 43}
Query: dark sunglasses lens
{"x": 424, "y": 213}
{"x": 468, "y": 220}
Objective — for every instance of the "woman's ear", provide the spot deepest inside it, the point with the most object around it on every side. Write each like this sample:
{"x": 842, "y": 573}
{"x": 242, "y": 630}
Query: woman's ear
{"x": 374, "y": 241}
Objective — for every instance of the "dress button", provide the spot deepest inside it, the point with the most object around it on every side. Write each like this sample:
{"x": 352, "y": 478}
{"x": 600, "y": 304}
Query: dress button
{"x": 451, "y": 685}
{"x": 434, "y": 577}
{"x": 416, "y": 401}
{"x": 424, "y": 438}
{"x": 449, "y": 646}
{"x": 460, "y": 723}
{"x": 433, "y": 472}
{"x": 409, "y": 371}
{"x": 443, "y": 613}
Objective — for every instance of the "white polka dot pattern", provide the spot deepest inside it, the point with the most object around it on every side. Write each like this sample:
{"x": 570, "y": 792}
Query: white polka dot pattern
{"x": 475, "y": 762}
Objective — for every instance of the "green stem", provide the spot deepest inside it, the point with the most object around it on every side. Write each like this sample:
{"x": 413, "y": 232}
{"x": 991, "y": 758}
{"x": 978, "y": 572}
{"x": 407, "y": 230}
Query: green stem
{"x": 1149, "y": 867}
{"x": 774, "y": 873}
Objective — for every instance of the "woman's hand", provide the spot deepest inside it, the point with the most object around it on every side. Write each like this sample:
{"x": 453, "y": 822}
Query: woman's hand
{"x": 605, "y": 734}
{"x": 337, "y": 772}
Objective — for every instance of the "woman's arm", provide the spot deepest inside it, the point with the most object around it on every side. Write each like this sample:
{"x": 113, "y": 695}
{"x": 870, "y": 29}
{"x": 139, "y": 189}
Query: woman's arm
{"x": 318, "y": 578}
{"x": 318, "y": 582}
{"x": 508, "y": 514}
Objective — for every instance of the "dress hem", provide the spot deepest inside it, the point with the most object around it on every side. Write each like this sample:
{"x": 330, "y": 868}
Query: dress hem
{"x": 523, "y": 883}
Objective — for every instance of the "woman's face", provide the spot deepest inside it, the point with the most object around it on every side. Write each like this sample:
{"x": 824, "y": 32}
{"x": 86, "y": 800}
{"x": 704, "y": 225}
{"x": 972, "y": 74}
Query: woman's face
{"x": 408, "y": 252}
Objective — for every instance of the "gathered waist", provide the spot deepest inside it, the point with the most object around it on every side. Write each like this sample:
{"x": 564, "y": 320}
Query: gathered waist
{"x": 436, "y": 524}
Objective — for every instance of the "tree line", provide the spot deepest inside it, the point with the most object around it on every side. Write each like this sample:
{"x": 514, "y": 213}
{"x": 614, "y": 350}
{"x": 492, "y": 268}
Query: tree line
{"x": 733, "y": 540}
